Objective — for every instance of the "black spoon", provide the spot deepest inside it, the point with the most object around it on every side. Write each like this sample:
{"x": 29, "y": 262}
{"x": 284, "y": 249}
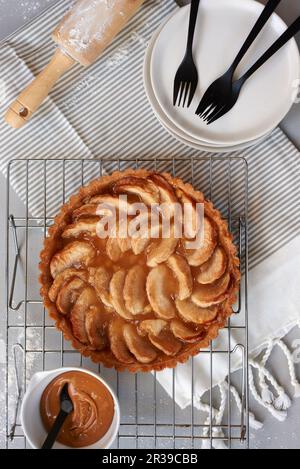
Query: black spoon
{"x": 66, "y": 407}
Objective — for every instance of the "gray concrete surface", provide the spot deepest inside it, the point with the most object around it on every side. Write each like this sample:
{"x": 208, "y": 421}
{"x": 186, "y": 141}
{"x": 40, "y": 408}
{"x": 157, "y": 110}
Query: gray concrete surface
{"x": 13, "y": 14}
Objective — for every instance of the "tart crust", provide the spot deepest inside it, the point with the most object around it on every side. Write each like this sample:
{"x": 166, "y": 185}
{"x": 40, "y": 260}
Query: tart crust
{"x": 54, "y": 243}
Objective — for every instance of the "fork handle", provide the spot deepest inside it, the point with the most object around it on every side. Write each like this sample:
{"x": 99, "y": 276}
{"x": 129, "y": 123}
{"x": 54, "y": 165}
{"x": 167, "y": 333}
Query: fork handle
{"x": 260, "y": 23}
{"x": 192, "y": 24}
{"x": 281, "y": 41}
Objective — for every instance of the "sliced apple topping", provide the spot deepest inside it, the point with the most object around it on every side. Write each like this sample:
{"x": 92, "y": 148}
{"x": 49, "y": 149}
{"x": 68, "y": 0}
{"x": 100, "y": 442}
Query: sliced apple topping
{"x": 68, "y": 294}
{"x": 88, "y": 210}
{"x": 152, "y": 326}
{"x": 143, "y": 188}
{"x": 135, "y": 290}
{"x": 139, "y": 245}
{"x": 211, "y": 294}
{"x": 111, "y": 203}
{"x": 141, "y": 239}
{"x": 113, "y": 249}
{"x": 190, "y": 312}
{"x": 182, "y": 272}
{"x": 186, "y": 333}
{"x": 167, "y": 193}
{"x": 116, "y": 289}
{"x": 74, "y": 254}
{"x": 117, "y": 342}
{"x": 166, "y": 342}
{"x": 86, "y": 299}
{"x": 191, "y": 216}
{"x": 160, "y": 336}
{"x": 88, "y": 226}
{"x": 139, "y": 346}
{"x": 159, "y": 292}
{"x": 63, "y": 277}
{"x": 100, "y": 279}
{"x": 95, "y": 324}
{"x": 160, "y": 251}
{"x": 124, "y": 244}
{"x": 198, "y": 256}
{"x": 214, "y": 268}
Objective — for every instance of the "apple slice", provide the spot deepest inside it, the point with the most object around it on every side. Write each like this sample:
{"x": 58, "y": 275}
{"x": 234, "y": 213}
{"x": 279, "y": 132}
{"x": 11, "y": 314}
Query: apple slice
{"x": 166, "y": 342}
{"x": 190, "y": 312}
{"x": 86, "y": 299}
{"x": 182, "y": 272}
{"x": 167, "y": 193}
{"x": 191, "y": 216}
{"x": 124, "y": 244}
{"x": 135, "y": 290}
{"x": 68, "y": 294}
{"x": 160, "y": 251}
{"x": 186, "y": 333}
{"x": 212, "y": 294}
{"x": 197, "y": 257}
{"x": 88, "y": 226}
{"x": 100, "y": 279}
{"x": 152, "y": 326}
{"x": 88, "y": 210}
{"x": 159, "y": 294}
{"x": 160, "y": 336}
{"x": 95, "y": 324}
{"x": 144, "y": 189}
{"x": 116, "y": 289}
{"x": 62, "y": 278}
{"x": 139, "y": 346}
{"x": 141, "y": 240}
{"x": 113, "y": 249}
{"x": 139, "y": 245}
{"x": 214, "y": 268}
{"x": 111, "y": 203}
{"x": 74, "y": 254}
{"x": 117, "y": 342}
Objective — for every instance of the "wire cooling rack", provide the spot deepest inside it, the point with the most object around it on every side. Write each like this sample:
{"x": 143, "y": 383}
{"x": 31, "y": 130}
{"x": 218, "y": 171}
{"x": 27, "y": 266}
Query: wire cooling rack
{"x": 150, "y": 417}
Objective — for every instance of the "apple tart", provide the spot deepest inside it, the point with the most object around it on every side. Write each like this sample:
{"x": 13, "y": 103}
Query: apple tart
{"x": 138, "y": 300}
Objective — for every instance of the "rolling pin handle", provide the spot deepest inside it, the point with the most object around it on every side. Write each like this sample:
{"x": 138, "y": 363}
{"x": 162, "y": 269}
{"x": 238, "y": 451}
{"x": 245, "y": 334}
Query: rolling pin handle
{"x": 21, "y": 110}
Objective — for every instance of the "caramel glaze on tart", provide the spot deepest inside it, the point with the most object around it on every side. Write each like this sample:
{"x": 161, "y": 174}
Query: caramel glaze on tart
{"x": 134, "y": 303}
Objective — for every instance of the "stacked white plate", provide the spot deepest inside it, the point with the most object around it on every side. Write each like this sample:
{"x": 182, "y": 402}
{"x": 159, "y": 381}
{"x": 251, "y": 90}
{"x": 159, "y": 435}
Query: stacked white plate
{"x": 222, "y": 28}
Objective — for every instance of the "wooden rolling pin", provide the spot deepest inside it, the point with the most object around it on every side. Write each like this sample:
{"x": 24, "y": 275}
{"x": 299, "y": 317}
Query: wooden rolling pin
{"x": 86, "y": 30}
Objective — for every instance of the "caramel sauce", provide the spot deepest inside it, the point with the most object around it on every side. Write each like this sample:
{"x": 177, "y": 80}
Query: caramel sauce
{"x": 93, "y": 409}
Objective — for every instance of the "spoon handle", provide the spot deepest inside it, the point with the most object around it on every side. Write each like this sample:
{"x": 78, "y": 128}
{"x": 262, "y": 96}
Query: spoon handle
{"x": 260, "y": 23}
{"x": 51, "y": 438}
{"x": 281, "y": 41}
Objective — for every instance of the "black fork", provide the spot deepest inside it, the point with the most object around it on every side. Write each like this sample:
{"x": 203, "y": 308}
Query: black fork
{"x": 220, "y": 90}
{"x": 186, "y": 79}
{"x": 222, "y": 108}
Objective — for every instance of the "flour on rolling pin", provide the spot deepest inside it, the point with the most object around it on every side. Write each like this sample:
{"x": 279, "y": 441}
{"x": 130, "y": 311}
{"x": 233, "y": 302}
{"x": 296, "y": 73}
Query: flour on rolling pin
{"x": 90, "y": 26}
{"x": 86, "y": 30}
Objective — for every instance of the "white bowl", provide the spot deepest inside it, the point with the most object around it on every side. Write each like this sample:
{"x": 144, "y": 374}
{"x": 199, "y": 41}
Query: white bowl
{"x": 31, "y": 420}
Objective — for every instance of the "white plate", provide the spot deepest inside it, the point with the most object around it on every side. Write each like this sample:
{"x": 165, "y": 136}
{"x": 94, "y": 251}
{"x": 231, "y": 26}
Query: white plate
{"x": 212, "y": 149}
{"x": 169, "y": 126}
{"x": 221, "y": 29}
